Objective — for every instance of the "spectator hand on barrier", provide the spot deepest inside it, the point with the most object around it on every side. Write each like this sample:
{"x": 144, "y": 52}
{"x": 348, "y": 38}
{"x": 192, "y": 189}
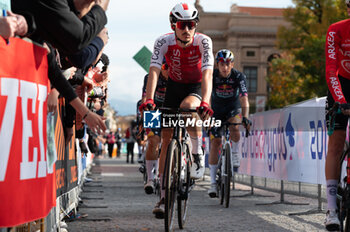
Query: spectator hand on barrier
{"x": 100, "y": 77}
{"x": 8, "y": 26}
{"x": 94, "y": 121}
{"x": 52, "y": 101}
{"x": 13, "y": 24}
{"x": 22, "y": 26}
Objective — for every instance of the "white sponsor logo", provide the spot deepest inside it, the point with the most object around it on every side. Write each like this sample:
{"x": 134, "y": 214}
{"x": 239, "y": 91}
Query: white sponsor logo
{"x": 157, "y": 48}
{"x": 206, "y": 47}
{"x": 336, "y": 87}
{"x": 331, "y": 48}
{"x": 176, "y": 64}
{"x": 243, "y": 87}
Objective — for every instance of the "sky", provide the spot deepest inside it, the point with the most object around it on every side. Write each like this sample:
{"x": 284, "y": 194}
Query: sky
{"x": 132, "y": 25}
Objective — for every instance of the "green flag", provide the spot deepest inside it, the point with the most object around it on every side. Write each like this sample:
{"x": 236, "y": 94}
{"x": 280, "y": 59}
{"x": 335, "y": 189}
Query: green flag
{"x": 143, "y": 58}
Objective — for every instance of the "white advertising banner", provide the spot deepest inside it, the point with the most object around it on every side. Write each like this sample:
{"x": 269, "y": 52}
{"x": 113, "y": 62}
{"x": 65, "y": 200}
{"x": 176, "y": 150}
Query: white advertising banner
{"x": 287, "y": 144}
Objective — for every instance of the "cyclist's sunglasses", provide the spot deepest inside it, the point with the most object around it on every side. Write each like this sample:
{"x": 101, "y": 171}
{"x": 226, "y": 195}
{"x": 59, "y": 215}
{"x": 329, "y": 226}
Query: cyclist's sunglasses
{"x": 348, "y": 5}
{"x": 222, "y": 59}
{"x": 165, "y": 66}
{"x": 183, "y": 24}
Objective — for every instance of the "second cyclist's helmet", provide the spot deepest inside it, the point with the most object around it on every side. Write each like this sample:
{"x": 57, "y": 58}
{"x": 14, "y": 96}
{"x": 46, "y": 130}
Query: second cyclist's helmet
{"x": 183, "y": 12}
{"x": 224, "y": 55}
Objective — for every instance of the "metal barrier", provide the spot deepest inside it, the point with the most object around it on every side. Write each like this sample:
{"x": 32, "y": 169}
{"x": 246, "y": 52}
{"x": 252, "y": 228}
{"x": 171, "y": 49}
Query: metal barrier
{"x": 285, "y": 187}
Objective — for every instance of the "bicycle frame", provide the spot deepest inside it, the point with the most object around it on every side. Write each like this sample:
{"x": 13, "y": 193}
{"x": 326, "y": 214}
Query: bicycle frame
{"x": 178, "y": 160}
{"x": 179, "y": 133}
{"x": 225, "y": 166}
{"x": 225, "y": 139}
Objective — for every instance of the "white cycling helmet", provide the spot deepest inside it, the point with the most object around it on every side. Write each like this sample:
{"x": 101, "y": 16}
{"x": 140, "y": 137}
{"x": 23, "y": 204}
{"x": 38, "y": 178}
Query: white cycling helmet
{"x": 347, "y": 1}
{"x": 183, "y": 12}
{"x": 224, "y": 55}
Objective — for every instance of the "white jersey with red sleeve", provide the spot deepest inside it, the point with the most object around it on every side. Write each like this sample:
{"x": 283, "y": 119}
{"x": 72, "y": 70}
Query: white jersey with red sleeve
{"x": 337, "y": 57}
{"x": 185, "y": 64}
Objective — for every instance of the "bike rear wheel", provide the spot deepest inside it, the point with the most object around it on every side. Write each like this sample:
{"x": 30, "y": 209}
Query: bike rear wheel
{"x": 227, "y": 176}
{"x": 171, "y": 176}
{"x": 184, "y": 186}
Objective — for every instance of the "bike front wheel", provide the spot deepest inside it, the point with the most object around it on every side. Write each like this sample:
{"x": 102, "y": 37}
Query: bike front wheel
{"x": 184, "y": 186}
{"x": 227, "y": 176}
{"x": 171, "y": 177}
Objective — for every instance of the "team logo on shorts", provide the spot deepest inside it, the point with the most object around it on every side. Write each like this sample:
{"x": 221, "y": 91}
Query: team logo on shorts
{"x": 151, "y": 119}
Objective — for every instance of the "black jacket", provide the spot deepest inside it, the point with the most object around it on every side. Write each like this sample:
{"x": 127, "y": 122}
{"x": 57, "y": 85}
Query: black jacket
{"x": 57, "y": 23}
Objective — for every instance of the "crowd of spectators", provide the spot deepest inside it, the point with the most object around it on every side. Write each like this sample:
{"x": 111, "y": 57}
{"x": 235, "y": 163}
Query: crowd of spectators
{"x": 74, "y": 34}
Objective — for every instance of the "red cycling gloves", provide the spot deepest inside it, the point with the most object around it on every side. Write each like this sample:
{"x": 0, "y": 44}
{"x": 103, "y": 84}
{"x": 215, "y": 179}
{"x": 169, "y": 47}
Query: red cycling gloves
{"x": 204, "y": 110}
{"x": 147, "y": 105}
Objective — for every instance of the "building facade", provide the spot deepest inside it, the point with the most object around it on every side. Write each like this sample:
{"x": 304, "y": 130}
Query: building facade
{"x": 250, "y": 33}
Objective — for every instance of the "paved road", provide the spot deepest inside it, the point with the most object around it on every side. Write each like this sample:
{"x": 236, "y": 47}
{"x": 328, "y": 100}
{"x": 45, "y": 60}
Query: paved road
{"x": 121, "y": 205}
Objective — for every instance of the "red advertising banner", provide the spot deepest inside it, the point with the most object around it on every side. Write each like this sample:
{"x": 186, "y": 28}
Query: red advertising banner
{"x": 27, "y": 190}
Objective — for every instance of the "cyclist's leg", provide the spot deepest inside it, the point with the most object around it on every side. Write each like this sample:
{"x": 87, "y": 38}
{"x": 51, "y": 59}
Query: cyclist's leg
{"x": 213, "y": 163}
{"x": 234, "y": 137}
{"x": 151, "y": 161}
{"x": 332, "y": 168}
{"x": 213, "y": 157}
{"x": 215, "y": 142}
{"x": 152, "y": 155}
{"x": 335, "y": 149}
{"x": 195, "y": 133}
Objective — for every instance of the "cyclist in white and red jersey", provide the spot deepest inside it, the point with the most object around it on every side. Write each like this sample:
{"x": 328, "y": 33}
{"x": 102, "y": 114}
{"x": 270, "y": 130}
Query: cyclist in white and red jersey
{"x": 190, "y": 59}
{"x": 338, "y": 81}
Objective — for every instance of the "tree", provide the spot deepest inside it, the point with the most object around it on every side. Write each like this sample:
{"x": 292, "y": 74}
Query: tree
{"x": 285, "y": 82}
{"x": 303, "y": 44}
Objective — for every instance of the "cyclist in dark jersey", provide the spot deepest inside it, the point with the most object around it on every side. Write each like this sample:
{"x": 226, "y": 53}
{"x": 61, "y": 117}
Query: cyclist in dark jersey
{"x": 338, "y": 80}
{"x": 141, "y": 136}
{"x": 229, "y": 97}
{"x": 190, "y": 59}
{"x": 154, "y": 133}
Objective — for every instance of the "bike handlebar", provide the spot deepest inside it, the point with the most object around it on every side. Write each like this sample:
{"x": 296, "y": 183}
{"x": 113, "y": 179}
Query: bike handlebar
{"x": 226, "y": 123}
